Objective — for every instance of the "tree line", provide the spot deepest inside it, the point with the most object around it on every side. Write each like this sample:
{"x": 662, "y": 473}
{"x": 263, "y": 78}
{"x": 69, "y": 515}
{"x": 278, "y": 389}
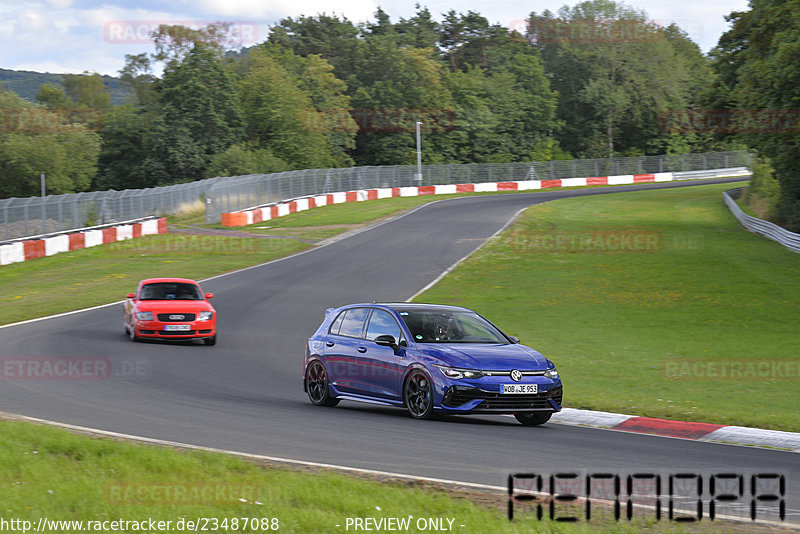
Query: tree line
{"x": 598, "y": 79}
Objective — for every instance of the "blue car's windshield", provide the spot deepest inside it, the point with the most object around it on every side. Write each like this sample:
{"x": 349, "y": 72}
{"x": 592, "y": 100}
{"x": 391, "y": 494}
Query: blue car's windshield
{"x": 446, "y": 326}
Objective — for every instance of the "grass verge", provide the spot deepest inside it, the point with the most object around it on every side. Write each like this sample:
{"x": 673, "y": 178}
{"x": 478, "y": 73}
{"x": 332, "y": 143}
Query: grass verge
{"x": 656, "y": 303}
{"x": 54, "y": 475}
{"x": 105, "y": 273}
{"x": 98, "y": 275}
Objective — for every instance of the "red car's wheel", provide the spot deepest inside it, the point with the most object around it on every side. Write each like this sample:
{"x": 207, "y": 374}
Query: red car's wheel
{"x": 132, "y": 333}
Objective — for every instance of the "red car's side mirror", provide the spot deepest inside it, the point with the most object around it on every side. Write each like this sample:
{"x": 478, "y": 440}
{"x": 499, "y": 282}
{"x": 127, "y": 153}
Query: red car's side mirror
{"x": 131, "y": 295}
{"x": 209, "y": 295}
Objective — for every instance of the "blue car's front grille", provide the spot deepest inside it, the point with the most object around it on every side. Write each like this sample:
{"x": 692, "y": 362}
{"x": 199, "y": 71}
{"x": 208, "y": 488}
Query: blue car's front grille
{"x": 496, "y": 402}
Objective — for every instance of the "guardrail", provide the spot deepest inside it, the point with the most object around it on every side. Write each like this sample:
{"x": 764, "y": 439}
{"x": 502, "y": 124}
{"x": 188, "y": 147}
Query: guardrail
{"x": 29, "y": 248}
{"x": 272, "y": 210}
{"x": 21, "y": 217}
{"x": 243, "y": 192}
{"x": 767, "y": 229}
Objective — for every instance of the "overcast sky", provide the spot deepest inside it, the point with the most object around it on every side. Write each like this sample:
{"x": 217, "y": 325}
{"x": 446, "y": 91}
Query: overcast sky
{"x": 71, "y": 36}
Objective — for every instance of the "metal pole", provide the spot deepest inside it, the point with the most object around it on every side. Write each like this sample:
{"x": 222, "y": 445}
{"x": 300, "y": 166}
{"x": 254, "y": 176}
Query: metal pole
{"x": 44, "y": 199}
{"x": 419, "y": 154}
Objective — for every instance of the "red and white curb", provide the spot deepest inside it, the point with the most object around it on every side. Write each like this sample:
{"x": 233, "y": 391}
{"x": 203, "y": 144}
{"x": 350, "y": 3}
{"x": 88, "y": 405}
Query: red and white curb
{"x": 738, "y": 435}
{"x": 265, "y": 213}
{"x": 47, "y": 245}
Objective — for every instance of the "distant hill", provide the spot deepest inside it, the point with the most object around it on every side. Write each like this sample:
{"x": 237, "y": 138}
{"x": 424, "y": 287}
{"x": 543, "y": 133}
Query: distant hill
{"x": 26, "y": 84}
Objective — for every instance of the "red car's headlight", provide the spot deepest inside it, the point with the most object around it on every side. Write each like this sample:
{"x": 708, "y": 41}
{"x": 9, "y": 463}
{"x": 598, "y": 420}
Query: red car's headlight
{"x": 144, "y": 316}
{"x": 205, "y": 316}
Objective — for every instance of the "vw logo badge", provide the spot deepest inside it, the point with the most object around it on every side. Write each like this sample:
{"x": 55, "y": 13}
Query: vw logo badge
{"x": 516, "y": 376}
{"x": 176, "y": 317}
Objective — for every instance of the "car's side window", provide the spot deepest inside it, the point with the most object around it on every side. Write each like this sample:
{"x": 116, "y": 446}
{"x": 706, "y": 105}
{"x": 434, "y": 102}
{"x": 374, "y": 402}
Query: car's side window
{"x": 353, "y": 322}
{"x": 382, "y": 323}
{"x": 337, "y": 323}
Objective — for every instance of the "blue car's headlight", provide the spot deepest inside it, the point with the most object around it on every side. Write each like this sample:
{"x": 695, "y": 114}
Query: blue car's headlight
{"x": 551, "y": 373}
{"x": 205, "y": 316}
{"x": 454, "y": 373}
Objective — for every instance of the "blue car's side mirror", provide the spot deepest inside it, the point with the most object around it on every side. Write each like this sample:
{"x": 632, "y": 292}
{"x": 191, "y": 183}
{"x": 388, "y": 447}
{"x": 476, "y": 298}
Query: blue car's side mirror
{"x": 386, "y": 341}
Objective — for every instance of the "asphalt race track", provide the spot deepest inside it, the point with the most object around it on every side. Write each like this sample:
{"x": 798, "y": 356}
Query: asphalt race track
{"x": 245, "y": 393}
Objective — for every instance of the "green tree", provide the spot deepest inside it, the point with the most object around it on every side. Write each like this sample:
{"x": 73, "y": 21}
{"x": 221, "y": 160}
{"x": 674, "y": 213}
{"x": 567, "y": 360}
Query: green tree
{"x": 333, "y": 38}
{"x": 759, "y": 73}
{"x": 53, "y": 97}
{"x": 245, "y": 158}
{"x": 420, "y": 31}
{"x": 615, "y": 72}
{"x": 198, "y": 116}
{"x": 123, "y": 150}
{"x": 87, "y": 90}
{"x": 35, "y": 140}
{"x": 281, "y": 116}
{"x": 330, "y": 112}
{"x": 396, "y": 87}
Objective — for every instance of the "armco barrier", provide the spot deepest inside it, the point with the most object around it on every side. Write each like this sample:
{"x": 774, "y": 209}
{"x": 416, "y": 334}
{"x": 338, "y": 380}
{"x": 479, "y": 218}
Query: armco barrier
{"x": 271, "y": 211}
{"x": 46, "y": 245}
{"x": 769, "y": 230}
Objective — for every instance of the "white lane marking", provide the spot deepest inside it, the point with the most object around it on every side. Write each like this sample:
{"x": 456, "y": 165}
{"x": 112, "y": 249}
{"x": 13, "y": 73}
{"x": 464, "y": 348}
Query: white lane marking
{"x": 462, "y": 260}
{"x": 166, "y": 443}
{"x": 323, "y": 244}
{"x": 372, "y": 472}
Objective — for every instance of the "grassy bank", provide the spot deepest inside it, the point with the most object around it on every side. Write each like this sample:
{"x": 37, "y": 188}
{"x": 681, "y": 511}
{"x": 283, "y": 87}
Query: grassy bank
{"x": 640, "y": 297}
{"x": 102, "y": 274}
{"x": 54, "y": 475}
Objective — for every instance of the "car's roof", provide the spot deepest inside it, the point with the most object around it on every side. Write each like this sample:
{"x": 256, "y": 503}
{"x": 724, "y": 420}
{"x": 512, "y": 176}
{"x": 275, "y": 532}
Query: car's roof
{"x": 408, "y": 306}
{"x": 157, "y": 280}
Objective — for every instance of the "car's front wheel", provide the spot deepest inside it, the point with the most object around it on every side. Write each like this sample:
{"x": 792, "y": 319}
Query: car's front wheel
{"x": 132, "y": 333}
{"x": 317, "y": 385}
{"x": 418, "y": 395}
{"x": 210, "y": 340}
{"x": 534, "y": 418}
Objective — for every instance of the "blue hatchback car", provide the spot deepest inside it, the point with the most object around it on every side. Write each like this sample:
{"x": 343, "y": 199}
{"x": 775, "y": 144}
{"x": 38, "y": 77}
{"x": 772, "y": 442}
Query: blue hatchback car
{"x": 427, "y": 358}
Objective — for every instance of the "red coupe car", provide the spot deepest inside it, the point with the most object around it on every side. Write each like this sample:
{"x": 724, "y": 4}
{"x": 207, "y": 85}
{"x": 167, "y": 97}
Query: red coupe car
{"x": 170, "y": 308}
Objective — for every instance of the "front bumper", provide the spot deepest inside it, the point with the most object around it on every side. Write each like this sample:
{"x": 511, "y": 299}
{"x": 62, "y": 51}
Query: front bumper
{"x": 469, "y": 399}
{"x": 156, "y": 330}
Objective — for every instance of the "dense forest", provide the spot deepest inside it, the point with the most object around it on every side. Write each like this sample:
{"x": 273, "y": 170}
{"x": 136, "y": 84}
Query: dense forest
{"x": 26, "y": 83}
{"x": 595, "y": 80}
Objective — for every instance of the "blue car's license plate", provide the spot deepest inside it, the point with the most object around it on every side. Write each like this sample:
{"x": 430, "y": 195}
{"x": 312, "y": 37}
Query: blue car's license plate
{"x": 525, "y": 389}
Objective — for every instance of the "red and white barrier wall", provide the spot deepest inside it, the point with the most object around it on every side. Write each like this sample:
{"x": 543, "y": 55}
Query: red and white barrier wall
{"x": 265, "y": 213}
{"x": 47, "y": 245}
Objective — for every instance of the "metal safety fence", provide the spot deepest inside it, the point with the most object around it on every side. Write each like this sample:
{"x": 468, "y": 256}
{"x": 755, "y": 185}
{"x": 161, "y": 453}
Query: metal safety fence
{"x": 243, "y": 192}
{"x": 22, "y": 217}
{"x": 769, "y": 230}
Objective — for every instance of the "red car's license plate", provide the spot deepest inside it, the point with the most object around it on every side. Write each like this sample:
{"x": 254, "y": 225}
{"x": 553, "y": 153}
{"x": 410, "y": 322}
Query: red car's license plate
{"x": 176, "y": 327}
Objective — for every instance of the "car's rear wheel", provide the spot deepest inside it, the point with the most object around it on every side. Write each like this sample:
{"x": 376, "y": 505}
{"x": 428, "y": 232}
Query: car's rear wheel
{"x": 418, "y": 395}
{"x": 317, "y": 385}
{"x": 210, "y": 340}
{"x": 533, "y": 418}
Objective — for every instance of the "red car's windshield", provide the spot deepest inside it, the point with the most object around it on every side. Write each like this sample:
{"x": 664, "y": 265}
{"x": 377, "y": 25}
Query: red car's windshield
{"x": 171, "y": 291}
